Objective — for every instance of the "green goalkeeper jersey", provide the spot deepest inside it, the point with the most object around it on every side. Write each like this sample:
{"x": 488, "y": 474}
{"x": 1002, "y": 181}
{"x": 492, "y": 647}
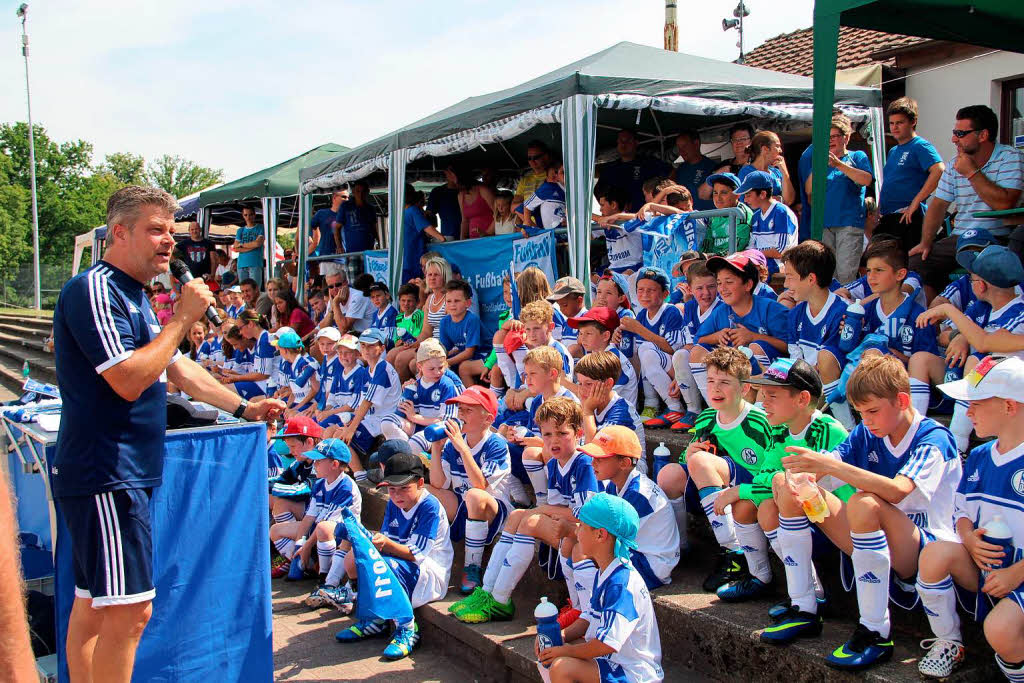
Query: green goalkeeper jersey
{"x": 823, "y": 433}
{"x": 745, "y": 440}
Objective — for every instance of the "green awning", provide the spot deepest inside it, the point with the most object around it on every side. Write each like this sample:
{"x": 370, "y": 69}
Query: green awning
{"x": 280, "y": 180}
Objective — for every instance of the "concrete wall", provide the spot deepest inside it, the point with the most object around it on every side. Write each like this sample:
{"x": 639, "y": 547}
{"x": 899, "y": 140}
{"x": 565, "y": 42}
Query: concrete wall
{"x": 940, "y": 92}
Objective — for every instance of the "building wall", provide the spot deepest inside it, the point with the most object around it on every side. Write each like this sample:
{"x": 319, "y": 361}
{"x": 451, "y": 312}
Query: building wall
{"x": 940, "y": 92}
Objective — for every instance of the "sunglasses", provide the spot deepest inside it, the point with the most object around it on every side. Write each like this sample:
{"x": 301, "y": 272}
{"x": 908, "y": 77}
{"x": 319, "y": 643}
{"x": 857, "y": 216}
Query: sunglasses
{"x": 961, "y": 134}
{"x": 534, "y": 157}
{"x": 333, "y": 286}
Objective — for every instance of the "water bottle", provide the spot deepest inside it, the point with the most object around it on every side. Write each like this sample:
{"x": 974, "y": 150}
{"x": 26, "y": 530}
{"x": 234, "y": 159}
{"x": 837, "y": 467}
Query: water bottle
{"x": 24, "y": 370}
{"x": 549, "y": 633}
{"x": 849, "y": 336}
{"x": 661, "y": 458}
{"x": 998, "y": 532}
{"x": 435, "y": 432}
{"x": 809, "y": 496}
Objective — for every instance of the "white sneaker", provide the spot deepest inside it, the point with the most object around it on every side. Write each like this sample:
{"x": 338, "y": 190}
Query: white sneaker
{"x": 942, "y": 658}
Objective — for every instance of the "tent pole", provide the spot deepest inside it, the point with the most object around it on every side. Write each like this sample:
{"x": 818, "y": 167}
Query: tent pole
{"x": 826, "y": 41}
{"x": 302, "y": 245}
{"x": 579, "y": 138}
{"x": 396, "y": 207}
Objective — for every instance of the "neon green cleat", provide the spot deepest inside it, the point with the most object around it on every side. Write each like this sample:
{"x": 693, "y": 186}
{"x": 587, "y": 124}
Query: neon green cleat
{"x": 467, "y": 602}
{"x": 487, "y": 609}
{"x": 649, "y": 412}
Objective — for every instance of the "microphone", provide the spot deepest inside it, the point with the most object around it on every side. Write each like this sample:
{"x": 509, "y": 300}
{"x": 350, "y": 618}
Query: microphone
{"x": 181, "y": 272}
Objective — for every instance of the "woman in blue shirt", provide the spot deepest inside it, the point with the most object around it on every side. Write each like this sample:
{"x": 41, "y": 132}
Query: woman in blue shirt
{"x": 765, "y": 154}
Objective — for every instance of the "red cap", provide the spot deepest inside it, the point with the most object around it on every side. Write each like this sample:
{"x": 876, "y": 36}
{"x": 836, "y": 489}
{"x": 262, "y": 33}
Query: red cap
{"x": 478, "y": 396}
{"x": 602, "y": 315}
{"x": 513, "y": 340}
{"x": 300, "y": 425}
{"x": 738, "y": 263}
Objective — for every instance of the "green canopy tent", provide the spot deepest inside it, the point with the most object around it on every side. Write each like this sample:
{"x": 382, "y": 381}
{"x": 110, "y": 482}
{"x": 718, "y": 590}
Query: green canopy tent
{"x": 269, "y": 185}
{"x": 990, "y": 23}
{"x": 577, "y": 105}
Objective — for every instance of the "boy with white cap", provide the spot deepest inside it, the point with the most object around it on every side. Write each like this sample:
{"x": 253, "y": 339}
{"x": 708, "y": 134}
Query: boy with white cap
{"x": 992, "y": 486}
{"x": 424, "y": 400}
{"x": 343, "y": 393}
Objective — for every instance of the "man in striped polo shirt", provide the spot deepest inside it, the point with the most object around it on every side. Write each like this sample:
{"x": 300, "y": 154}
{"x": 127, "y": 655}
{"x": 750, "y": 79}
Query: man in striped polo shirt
{"x": 983, "y": 176}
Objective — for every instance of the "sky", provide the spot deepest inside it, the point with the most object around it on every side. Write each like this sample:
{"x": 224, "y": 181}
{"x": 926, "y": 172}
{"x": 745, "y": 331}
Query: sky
{"x": 244, "y": 85}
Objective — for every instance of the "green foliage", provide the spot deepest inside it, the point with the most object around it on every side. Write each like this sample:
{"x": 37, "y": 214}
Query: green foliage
{"x": 181, "y": 177}
{"x": 127, "y": 168}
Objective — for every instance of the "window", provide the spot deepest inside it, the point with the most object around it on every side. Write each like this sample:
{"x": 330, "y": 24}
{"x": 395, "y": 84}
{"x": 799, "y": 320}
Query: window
{"x": 1012, "y": 114}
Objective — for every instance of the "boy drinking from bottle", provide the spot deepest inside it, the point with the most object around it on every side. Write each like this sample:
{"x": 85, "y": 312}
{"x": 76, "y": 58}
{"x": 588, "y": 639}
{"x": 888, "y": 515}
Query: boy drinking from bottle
{"x": 992, "y": 487}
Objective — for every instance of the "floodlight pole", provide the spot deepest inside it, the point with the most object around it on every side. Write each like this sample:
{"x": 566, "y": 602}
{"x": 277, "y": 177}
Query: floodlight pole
{"x": 671, "y": 27}
{"x": 37, "y": 298}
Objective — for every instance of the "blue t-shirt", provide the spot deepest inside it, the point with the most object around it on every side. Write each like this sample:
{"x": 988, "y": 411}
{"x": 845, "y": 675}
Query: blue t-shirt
{"x": 810, "y": 334}
{"x": 386, "y": 322}
{"x": 443, "y": 202}
{"x": 904, "y": 336}
{"x": 765, "y": 317}
{"x": 547, "y": 205}
{"x": 844, "y": 199}
{"x": 253, "y": 258}
{"x": 414, "y": 222}
{"x": 774, "y": 171}
{"x": 457, "y": 336}
{"x": 693, "y": 176}
{"x": 573, "y": 484}
{"x": 693, "y": 318}
{"x": 776, "y": 229}
{"x": 358, "y": 226}
{"x": 905, "y": 172}
{"x": 105, "y": 442}
{"x": 430, "y": 400}
{"x": 667, "y": 323}
{"x": 323, "y": 220}
{"x": 630, "y": 175}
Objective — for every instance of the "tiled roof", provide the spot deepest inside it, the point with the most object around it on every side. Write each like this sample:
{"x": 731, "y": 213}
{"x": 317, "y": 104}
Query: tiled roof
{"x": 794, "y": 52}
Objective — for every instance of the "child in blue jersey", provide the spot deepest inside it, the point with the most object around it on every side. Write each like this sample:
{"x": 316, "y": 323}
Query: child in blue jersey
{"x": 613, "y": 292}
{"x": 462, "y": 333}
{"x": 545, "y": 208}
{"x": 861, "y": 288}
{"x": 625, "y": 244}
{"x": 658, "y": 328}
{"x": 385, "y": 315}
{"x": 991, "y": 487}
{"x": 303, "y": 382}
{"x": 755, "y": 322}
{"x": 567, "y": 296}
{"x": 704, "y": 299}
{"x": 425, "y": 400}
{"x": 959, "y": 292}
{"x": 328, "y": 369}
{"x": 570, "y": 481}
{"x": 379, "y": 398}
{"x": 595, "y": 330}
{"x": 596, "y": 377}
{"x": 470, "y": 473}
{"x": 253, "y": 383}
{"x": 343, "y": 394}
{"x": 618, "y": 626}
{"x": 236, "y": 306}
{"x": 537, "y": 323}
{"x": 993, "y": 323}
{"x": 905, "y": 468}
{"x": 774, "y": 227}
{"x": 816, "y": 321}
{"x": 414, "y": 540}
{"x": 291, "y": 488}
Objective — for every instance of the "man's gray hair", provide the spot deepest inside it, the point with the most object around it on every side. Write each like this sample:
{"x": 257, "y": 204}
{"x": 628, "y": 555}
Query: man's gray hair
{"x": 124, "y": 206}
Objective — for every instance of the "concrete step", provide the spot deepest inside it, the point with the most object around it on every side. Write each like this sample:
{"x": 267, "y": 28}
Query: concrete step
{"x": 41, "y": 365}
{"x": 34, "y": 342}
{"x": 25, "y": 331}
{"x": 27, "y": 320}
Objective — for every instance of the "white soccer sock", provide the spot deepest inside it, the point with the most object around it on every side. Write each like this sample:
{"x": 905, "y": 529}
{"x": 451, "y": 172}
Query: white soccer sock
{"x": 679, "y": 510}
{"x": 286, "y": 547}
{"x": 360, "y": 475}
{"x": 796, "y": 545}
{"x": 418, "y": 443}
{"x": 871, "y": 564}
{"x": 499, "y": 392}
{"x": 721, "y": 525}
{"x": 570, "y": 581}
{"x": 392, "y": 430}
{"x": 773, "y": 542}
{"x": 517, "y": 492}
{"x": 497, "y": 558}
{"x": 507, "y": 366}
{"x": 650, "y": 395}
{"x": 515, "y": 564}
{"x": 939, "y": 602}
{"x": 843, "y": 413}
{"x": 538, "y": 475}
{"x": 920, "y": 395}
{"x": 337, "y": 571}
{"x": 476, "y": 537}
{"x": 755, "y": 548}
{"x": 652, "y": 364}
{"x": 685, "y": 381}
{"x": 1014, "y": 673}
{"x": 961, "y": 426}
{"x": 700, "y": 375}
{"x": 325, "y": 554}
{"x": 284, "y": 517}
{"x": 585, "y": 572}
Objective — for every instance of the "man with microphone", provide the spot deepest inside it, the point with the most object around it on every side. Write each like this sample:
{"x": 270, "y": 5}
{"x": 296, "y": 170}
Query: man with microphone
{"x": 113, "y": 363}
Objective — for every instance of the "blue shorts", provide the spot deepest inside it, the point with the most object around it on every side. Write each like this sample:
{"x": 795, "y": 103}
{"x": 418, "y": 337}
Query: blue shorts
{"x": 407, "y": 572}
{"x": 457, "y": 528}
{"x": 979, "y": 604}
{"x": 611, "y": 672}
{"x": 249, "y": 390}
{"x": 737, "y": 475}
{"x": 640, "y": 563}
{"x": 333, "y": 420}
{"x": 111, "y": 545}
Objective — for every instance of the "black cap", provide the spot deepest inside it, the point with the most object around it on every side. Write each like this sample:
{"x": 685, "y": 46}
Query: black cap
{"x": 379, "y": 287}
{"x": 390, "y": 448}
{"x": 402, "y": 469}
{"x": 796, "y": 374}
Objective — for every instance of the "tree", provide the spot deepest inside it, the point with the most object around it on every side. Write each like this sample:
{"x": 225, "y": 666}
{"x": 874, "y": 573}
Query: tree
{"x": 15, "y": 227}
{"x": 127, "y": 168}
{"x": 181, "y": 177}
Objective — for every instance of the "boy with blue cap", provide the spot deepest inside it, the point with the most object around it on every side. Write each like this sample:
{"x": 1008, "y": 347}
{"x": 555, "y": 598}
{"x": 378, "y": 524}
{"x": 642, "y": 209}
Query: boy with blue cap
{"x": 379, "y": 399}
{"x": 723, "y": 186}
{"x": 994, "y": 323}
{"x": 959, "y": 292}
{"x": 619, "y": 630}
{"x": 774, "y": 227}
{"x": 302, "y": 378}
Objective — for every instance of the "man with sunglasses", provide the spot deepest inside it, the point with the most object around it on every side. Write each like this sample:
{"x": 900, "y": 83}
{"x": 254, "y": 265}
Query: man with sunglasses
{"x": 538, "y": 157}
{"x": 983, "y": 176}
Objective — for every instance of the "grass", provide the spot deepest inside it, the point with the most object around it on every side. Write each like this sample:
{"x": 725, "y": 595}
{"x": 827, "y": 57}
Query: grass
{"x": 30, "y": 312}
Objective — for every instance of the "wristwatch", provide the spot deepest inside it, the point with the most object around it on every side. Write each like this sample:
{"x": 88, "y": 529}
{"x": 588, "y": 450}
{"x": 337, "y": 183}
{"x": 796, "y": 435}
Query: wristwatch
{"x": 240, "y": 410}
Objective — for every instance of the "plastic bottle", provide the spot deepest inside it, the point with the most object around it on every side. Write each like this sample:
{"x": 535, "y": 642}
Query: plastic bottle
{"x": 549, "y": 633}
{"x": 435, "y": 432}
{"x": 661, "y": 458}
{"x": 849, "y": 336}
{"x": 24, "y": 370}
{"x": 998, "y": 532}
{"x": 809, "y": 496}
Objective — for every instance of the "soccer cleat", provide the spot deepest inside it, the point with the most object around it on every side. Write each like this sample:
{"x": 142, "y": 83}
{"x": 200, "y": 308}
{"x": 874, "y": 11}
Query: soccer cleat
{"x": 277, "y": 562}
{"x": 315, "y": 599}
{"x": 686, "y": 422}
{"x": 747, "y": 588}
{"x": 730, "y": 567}
{"x": 467, "y": 601}
{"x": 340, "y": 598}
{"x": 362, "y": 629}
{"x": 568, "y": 615}
{"x": 403, "y": 642}
{"x": 663, "y": 421}
{"x": 792, "y": 624}
{"x": 487, "y": 609}
{"x": 471, "y": 577}
{"x": 648, "y": 412}
{"x": 864, "y": 648}
{"x": 942, "y": 658}
{"x": 281, "y": 570}
{"x": 780, "y": 610}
